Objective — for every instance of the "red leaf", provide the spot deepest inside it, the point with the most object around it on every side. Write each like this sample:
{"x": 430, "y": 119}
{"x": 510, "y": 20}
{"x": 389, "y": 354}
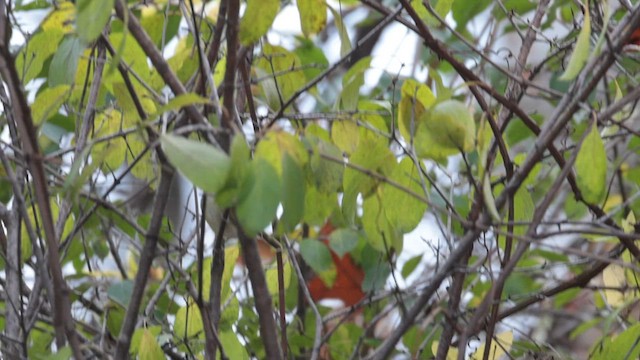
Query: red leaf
{"x": 349, "y": 276}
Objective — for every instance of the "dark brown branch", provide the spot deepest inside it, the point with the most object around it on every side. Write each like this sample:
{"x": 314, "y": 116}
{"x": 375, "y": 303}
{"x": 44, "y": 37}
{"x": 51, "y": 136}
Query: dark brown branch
{"x": 264, "y": 304}
{"x": 62, "y": 319}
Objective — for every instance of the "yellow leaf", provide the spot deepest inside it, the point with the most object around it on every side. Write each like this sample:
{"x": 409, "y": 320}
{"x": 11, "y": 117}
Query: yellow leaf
{"x": 614, "y": 278}
{"x": 451, "y": 355}
{"x": 499, "y": 346}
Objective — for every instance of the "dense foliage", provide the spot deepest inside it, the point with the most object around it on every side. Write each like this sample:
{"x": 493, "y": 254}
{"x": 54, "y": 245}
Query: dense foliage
{"x": 186, "y": 179}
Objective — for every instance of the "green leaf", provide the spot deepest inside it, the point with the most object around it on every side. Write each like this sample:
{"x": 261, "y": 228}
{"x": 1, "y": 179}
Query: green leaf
{"x": 581, "y": 51}
{"x": 410, "y": 266}
{"x": 293, "y": 190}
{"x": 415, "y": 98}
{"x": 62, "y": 354}
{"x": 240, "y": 156}
{"x": 204, "y": 165}
{"x": 381, "y": 234}
{"x": 282, "y": 73}
{"x": 131, "y": 53}
{"x": 137, "y": 337}
{"x": 48, "y": 103}
{"x": 93, "y": 16}
{"x": 351, "y": 83}
{"x": 233, "y": 349}
{"x": 231, "y": 254}
{"x": 149, "y": 347}
{"x": 346, "y": 135}
{"x": 343, "y": 241}
{"x": 30, "y": 60}
{"x": 313, "y": 16}
{"x": 326, "y": 175}
{"x": 447, "y": 129}
{"x": 181, "y": 101}
{"x": 370, "y": 156}
{"x": 591, "y": 167}
{"x": 259, "y": 197}
{"x": 318, "y": 205}
{"x": 464, "y": 11}
{"x": 312, "y": 57}
{"x": 276, "y": 144}
{"x": 623, "y": 346}
{"x": 257, "y": 19}
{"x": 120, "y": 292}
{"x": 404, "y": 211}
{"x": 523, "y": 210}
{"x": 316, "y": 254}
{"x": 188, "y": 322}
{"x": 115, "y": 317}
{"x": 65, "y": 62}
{"x": 441, "y": 7}
{"x": 272, "y": 278}
{"x": 345, "y": 43}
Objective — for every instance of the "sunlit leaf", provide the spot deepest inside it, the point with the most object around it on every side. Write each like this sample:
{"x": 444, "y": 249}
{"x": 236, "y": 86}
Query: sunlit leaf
{"x": 281, "y": 74}
{"x": 415, "y": 99}
{"x": 445, "y": 130}
{"x": 188, "y": 322}
{"x": 273, "y": 281}
{"x": 499, "y": 346}
{"x": 345, "y": 134}
{"x": 149, "y": 347}
{"x": 61, "y": 18}
{"x": 233, "y": 348}
{"x": 131, "y": 53}
{"x": 137, "y": 337}
{"x": 451, "y": 355}
{"x": 276, "y": 144}
{"x": 623, "y": 346}
{"x": 32, "y": 57}
{"x": 313, "y": 15}
{"x": 62, "y": 354}
{"x": 591, "y": 167}
{"x": 48, "y": 103}
{"x": 257, "y": 19}
{"x": 615, "y": 281}
{"x": 370, "y": 156}
{"x": 204, "y": 165}
{"x": 318, "y": 205}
